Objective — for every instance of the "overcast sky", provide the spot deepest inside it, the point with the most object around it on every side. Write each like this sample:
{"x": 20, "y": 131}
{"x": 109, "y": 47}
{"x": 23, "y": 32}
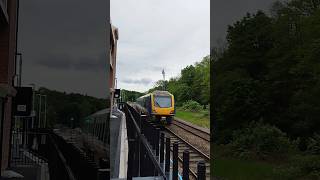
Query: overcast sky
{"x": 64, "y": 45}
{"x": 157, "y": 34}
{"x": 227, "y": 12}
{"x": 64, "y": 42}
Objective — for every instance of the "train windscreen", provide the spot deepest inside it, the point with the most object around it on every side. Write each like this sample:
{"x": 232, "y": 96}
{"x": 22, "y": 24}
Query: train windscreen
{"x": 162, "y": 101}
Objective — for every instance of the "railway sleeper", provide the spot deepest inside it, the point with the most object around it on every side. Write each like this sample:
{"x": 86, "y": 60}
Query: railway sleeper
{"x": 174, "y": 139}
{"x": 182, "y": 149}
{"x": 195, "y": 157}
{"x": 179, "y": 142}
{"x": 194, "y": 154}
{"x": 194, "y": 165}
{"x": 183, "y": 145}
{"x": 195, "y": 160}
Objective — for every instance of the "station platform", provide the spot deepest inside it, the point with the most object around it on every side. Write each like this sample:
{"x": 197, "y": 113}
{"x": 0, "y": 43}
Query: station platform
{"x": 118, "y": 144}
{"x": 119, "y": 151}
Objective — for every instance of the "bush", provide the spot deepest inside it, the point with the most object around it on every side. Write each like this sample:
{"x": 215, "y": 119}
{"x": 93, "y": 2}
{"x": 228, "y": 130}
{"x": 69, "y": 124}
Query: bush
{"x": 260, "y": 141}
{"x": 313, "y": 146}
{"x": 192, "y": 106}
{"x": 206, "y": 113}
{"x": 301, "y": 167}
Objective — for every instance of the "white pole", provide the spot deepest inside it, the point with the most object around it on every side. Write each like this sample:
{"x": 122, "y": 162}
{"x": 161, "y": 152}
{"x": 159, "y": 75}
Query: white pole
{"x": 45, "y": 111}
{"x": 33, "y": 102}
{"x": 164, "y": 79}
{"x": 39, "y": 126}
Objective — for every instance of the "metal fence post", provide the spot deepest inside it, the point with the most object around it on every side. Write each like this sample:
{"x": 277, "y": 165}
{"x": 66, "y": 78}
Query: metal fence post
{"x": 151, "y": 132}
{"x": 136, "y": 165}
{"x": 154, "y": 137}
{"x": 161, "y": 147}
{"x": 175, "y": 161}
{"x": 157, "y": 136}
{"x": 167, "y": 165}
{"x": 185, "y": 172}
{"x": 201, "y": 170}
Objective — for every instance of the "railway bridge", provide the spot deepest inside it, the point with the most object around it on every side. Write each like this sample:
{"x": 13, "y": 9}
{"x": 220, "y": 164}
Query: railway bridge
{"x": 157, "y": 151}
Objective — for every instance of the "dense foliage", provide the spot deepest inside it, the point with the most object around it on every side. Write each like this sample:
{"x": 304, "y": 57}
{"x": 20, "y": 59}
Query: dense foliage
{"x": 192, "y": 106}
{"x": 302, "y": 167}
{"x": 61, "y": 107}
{"x": 192, "y": 84}
{"x": 270, "y": 71}
{"x": 127, "y": 95}
{"x": 259, "y": 141}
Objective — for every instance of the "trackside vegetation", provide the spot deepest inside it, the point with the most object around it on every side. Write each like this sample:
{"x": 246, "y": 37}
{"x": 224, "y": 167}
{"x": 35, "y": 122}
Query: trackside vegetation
{"x": 265, "y": 95}
{"x": 62, "y": 106}
{"x": 191, "y": 90}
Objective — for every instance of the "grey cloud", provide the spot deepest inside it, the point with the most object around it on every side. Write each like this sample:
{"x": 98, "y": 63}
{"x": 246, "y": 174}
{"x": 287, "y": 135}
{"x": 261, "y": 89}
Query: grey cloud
{"x": 151, "y": 39}
{"x": 56, "y": 62}
{"x": 227, "y": 12}
{"x": 65, "y": 61}
{"x": 65, "y": 39}
{"x": 144, "y": 81}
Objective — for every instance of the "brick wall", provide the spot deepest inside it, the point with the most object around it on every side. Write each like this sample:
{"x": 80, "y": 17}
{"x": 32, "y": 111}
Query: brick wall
{"x": 7, "y": 57}
{"x": 113, "y": 60}
{"x": 6, "y": 134}
{"x": 4, "y": 55}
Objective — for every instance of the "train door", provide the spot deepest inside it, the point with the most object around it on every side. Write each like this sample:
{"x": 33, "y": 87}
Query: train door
{"x": 148, "y": 104}
{"x": 174, "y": 102}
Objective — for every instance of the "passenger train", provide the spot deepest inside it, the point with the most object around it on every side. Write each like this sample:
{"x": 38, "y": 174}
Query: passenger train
{"x": 158, "y": 105}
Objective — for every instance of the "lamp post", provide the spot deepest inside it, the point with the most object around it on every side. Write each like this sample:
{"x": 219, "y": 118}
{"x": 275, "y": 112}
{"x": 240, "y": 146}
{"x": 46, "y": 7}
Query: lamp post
{"x": 45, "y": 110}
{"x": 72, "y": 121}
{"x": 33, "y": 101}
{"x": 164, "y": 79}
{"x": 20, "y": 68}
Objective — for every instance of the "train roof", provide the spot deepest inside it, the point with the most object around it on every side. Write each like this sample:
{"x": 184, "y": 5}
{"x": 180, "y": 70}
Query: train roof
{"x": 161, "y": 93}
{"x": 157, "y": 92}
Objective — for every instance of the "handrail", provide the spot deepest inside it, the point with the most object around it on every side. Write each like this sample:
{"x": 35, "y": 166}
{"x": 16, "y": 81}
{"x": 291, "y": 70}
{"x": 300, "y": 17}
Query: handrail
{"x": 62, "y": 158}
{"x": 146, "y": 144}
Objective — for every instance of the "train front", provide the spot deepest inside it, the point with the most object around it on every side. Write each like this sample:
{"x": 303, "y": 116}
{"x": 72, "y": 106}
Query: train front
{"x": 163, "y": 106}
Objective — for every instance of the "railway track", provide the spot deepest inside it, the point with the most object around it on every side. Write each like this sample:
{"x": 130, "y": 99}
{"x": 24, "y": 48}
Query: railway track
{"x": 196, "y": 155}
{"x": 193, "y": 130}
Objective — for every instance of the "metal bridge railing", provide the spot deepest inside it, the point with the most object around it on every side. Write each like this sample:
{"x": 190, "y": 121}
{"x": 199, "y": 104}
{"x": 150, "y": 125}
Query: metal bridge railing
{"x": 143, "y": 161}
{"x": 150, "y": 150}
{"x": 65, "y": 160}
{"x": 37, "y": 147}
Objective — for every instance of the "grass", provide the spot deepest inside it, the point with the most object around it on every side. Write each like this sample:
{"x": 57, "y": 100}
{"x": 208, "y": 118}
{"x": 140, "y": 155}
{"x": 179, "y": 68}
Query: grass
{"x": 230, "y": 168}
{"x": 201, "y": 118}
{"x": 235, "y": 169}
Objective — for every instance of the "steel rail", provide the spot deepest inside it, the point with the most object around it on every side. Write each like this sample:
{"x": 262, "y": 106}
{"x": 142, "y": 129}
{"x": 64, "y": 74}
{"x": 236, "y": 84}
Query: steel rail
{"x": 190, "y": 170}
{"x": 206, "y": 157}
{"x": 176, "y": 123}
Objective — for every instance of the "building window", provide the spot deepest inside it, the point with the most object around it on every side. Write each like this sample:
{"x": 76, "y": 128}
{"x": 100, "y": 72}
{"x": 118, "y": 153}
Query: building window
{"x": 4, "y": 5}
{"x": 1, "y": 122}
{"x": 1, "y": 112}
